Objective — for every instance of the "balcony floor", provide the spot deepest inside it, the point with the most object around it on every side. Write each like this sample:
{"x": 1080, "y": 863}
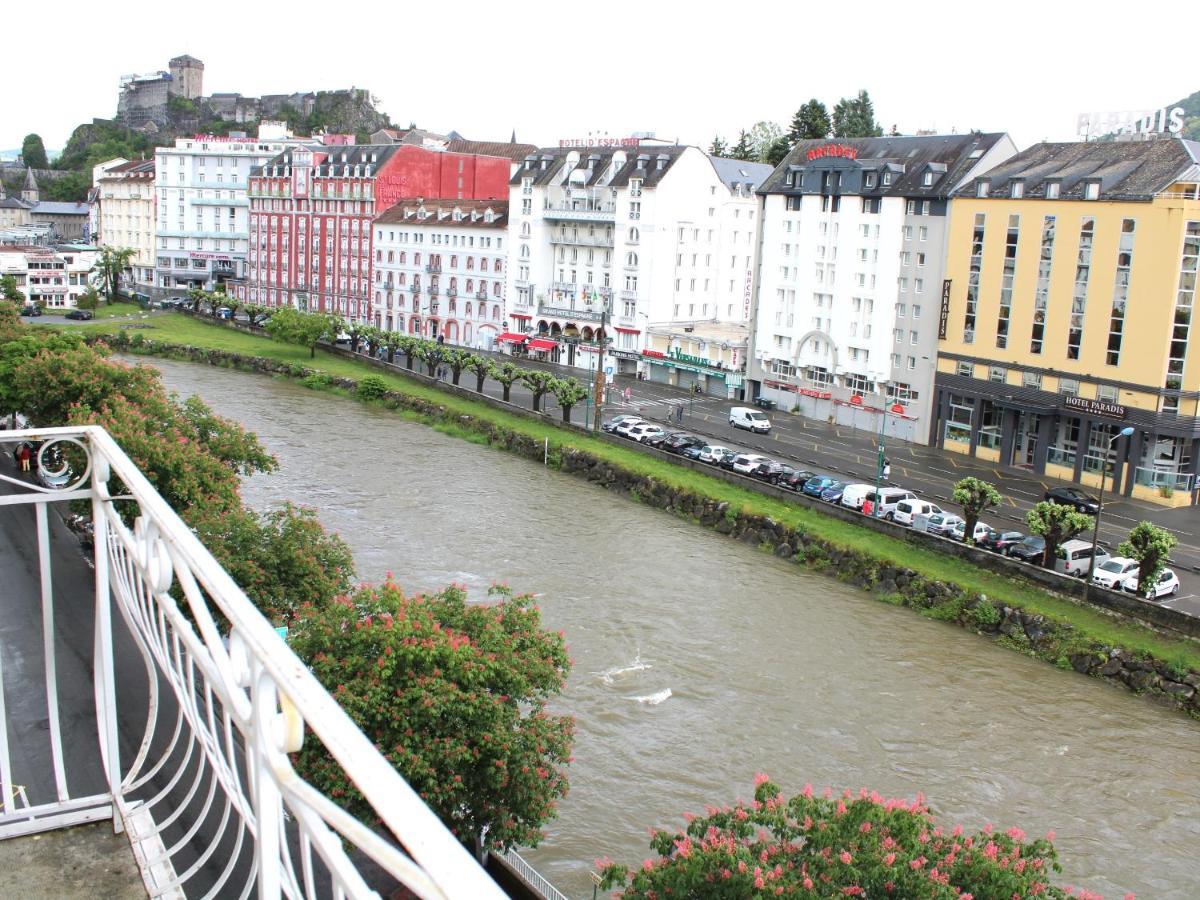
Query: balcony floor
{"x": 85, "y": 861}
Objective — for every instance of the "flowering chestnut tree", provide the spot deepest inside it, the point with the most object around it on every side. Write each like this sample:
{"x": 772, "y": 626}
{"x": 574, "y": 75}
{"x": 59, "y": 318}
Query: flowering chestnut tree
{"x": 853, "y": 845}
{"x": 455, "y": 695}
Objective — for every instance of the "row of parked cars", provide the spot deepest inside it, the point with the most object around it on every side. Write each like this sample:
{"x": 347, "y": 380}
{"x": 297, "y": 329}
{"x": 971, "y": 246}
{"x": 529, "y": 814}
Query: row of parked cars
{"x": 906, "y": 508}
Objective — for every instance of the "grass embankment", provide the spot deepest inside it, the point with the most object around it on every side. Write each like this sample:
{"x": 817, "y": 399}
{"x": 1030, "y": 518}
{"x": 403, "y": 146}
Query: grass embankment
{"x": 1090, "y": 623}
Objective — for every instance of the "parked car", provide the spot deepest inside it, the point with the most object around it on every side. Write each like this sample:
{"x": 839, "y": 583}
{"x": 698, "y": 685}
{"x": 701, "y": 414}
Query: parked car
{"x": 678, "y": 442}
{"x": 224, "y": 312}
{"x": 643, "y": 431}
{"x": 728, "y": 458}
{"x": 854, "y": 495}
{"x": 1029, "y": 549}
{"x": 1075, "y": 558}
{"x": 692, "y": 452}
{"x": 770, "y": 471}
{"x": 981, "y": 531}
{"x": 750, "y": 419}
{"x": 32, "y": 310}
{"x": 713, "y": 453}
{"x": 796, "y": 480}
{"x": 813, "y": 486}
{"x": 611, "y": 424}
{"x": 833, "y": 492}
{"x": 81, "y": 314}
{"x": 622, "y": 429}
{"x": 888, "y": 498}
{"x": 1069, "y": 496}
{"x": 656, "y": 440}
{"x": 943, "y": 523}
{"x": 1113, "y": 571}
{"x": 907, "y": 509}
{"x": 1000, "y": 541}
{"x": 746, "y": 463}
{"x": 1167, "y": 585}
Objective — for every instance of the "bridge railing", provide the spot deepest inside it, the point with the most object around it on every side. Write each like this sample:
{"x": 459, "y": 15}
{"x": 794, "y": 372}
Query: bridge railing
{"x": 194, "y": 704}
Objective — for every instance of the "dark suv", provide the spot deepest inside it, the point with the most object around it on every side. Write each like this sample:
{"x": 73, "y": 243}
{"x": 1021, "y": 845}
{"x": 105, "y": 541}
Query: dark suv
{"x": 677, "y": 443}
{"x": 795, "y": 480}
{"x": 1030, "y": 549}
{"x": 1069, "y": 496}
{"x": 1000, "y": 541}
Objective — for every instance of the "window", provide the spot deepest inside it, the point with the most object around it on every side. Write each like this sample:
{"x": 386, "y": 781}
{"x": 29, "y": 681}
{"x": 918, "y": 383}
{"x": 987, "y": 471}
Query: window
{"x": 916, "y": 310}
{"x": 1184, "y": 303}
{"x": 923, "y": 233}
{"x": 1116, "y": 325}
{"x": 918, "y": 285}
{"x": 1052, "y": 189}
{"x": 965, "y": 370}
{"x": 901, "y": 310}
{"x": 976, "y": 265}
{"x": 1006, "y": 281}
{"x": 1082, "y": 276}
{"x": 999, "y": 374}
{"x": 1042, "y": 291}
{"x": 1018, "y": 189}
{"x": 1068, "y": 387}
{"x": 958, "y": 422}
{"x": 1091, "y": 190}
{"x": 981, "y": 187}
{"x": 1031, "y": 379}
{"x": 1106, "y": 393}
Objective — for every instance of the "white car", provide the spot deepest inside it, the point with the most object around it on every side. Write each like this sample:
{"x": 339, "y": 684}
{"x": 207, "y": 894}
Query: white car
{"x": 623, "y": 428}
{"x": 907, "y": 509}
{"x": 613, "y": 423}
{"x": 748, "y": 462}
{"x": 713, "y": 453}
{"x": 643, "y": 431}
{"x": 1113, "y": 571}
{"x": 1167, "y": 586}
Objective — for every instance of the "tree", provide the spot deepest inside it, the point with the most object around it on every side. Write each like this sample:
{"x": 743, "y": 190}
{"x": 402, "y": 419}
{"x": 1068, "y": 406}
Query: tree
{"x": 505, "y": 373}
{"x": 823, "y": 846}
{"x": 9, "y": 290}
{"x": 743, "y": 149}
{"x": 811, "y": 122}
{"x": 854, "y": 117}
{"x": 253, "y": 312}
{"x": 455, "y": 695}
{"x": 374, "y": 337}
{"x": 762, "y": 135}
{"x": 391, "y": 341}
{"x": 290, "y": 326}
{"x": 569, "y": 392}
{"x": 46, "y": 379}
{"x": 1150, "y": 546}
{"x": 482, "y": 367}
{"x": 717, "y": 148}
{"x": 110, "y": 264}
{"x": 539, "y": 383}
{"x": 1056, "y": 523}
{"x": 432, "y": 354}
{"x": 33, "y": 152}
{"x": 777, "y": 151}
{"x": 408, "y": 346}
{"x": 457, "y": 360}
{"x": 975, "y": 497}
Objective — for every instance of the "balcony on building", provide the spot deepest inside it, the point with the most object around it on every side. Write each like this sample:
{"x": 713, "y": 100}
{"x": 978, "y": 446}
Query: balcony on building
{"x": 582, "y": 240}
{"x": 451, "y": 292}
{"x": 433, "y": 267}
{"x": 433, "y": 290}
{"x": 580, "y": 210}
{"x": 153, "y": 710}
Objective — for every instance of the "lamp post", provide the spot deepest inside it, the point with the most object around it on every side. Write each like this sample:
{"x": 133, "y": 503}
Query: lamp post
{"x": 877, "y": 510}
{"x": 1124, "y": 432}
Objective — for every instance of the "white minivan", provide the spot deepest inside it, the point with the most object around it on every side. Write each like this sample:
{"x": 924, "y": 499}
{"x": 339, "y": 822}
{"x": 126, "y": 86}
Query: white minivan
{"x": 750, "y": 419}
{"x": 1075, "y": 558}
{"x": 889, "y": 499}
{"x": 853, "y": 495}
{"x": 906, "y": 510}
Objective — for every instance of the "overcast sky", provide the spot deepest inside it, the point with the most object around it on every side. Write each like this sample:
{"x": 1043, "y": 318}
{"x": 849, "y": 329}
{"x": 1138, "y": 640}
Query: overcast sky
{"x": 567, "y": 70}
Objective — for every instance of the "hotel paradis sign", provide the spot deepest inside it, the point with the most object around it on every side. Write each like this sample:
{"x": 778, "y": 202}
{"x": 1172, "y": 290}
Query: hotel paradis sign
{"x": 842, "y": 150}
{"x": 1094, "y": 407}
{"x": 944, "y": 315}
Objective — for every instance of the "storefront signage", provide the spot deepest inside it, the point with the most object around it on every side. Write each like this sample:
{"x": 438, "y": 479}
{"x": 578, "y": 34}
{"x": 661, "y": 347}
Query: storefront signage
{"x": 687, "y": 357}
{"x": 803, "y": 392}
{"x": 1095, "y": 407}
{"x": 658, "y": 354}
{"x": 622, "y": 354}
{"x": 197, "y": 255}
{"x": 1131, "y": 121}
{"x": 944, "y": 315}
{"x": 599, "y": 142}
{"x": 833, "y": 150}
{"x": 746, "y": 296}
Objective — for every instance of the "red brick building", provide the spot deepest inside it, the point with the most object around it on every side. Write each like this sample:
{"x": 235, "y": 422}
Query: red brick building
{"x": 311, "y": 210}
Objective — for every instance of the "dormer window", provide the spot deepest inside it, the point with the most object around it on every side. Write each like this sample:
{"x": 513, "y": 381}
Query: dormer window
{"x": 1018, "y": 189}
{"x": 927, "y": 180}
{"x": 981, "y": 187}
{"x": 1052, "y": 189}
{"x": 887, "y": 178}
{"x": 488, "y": 216}
{"x": 871, "y": 180}
{"x": 788, "y": 179}
{"x": 457, "y": 215}
{"x": 1091, "y": 190}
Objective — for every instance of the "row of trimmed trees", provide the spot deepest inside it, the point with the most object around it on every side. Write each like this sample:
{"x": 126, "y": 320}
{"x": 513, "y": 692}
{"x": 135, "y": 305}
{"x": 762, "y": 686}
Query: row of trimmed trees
{"x": 309, "y": 329}
{"x": 1057, "y": 523}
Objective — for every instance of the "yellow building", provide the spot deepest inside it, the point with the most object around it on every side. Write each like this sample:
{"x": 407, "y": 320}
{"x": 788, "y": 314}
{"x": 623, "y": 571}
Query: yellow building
{"x": 1066, "y": 316}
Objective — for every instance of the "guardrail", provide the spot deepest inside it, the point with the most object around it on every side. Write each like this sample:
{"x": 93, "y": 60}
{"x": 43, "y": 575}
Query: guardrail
{"x": 532, "y": 876}
{"x": 194, "y": 760}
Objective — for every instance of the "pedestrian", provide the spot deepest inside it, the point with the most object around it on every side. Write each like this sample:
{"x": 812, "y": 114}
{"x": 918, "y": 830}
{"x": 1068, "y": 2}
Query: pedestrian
{"x": 24, "y": 457}
{"x": 868, "y": 506}
{"x": 679, "y": 413}
{"x": 628, "y": 394}
{"x": 887, "y": 468}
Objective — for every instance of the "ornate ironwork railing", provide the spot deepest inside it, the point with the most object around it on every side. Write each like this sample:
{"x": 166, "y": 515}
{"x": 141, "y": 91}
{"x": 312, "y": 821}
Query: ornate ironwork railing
{"x": 194, "y": 702}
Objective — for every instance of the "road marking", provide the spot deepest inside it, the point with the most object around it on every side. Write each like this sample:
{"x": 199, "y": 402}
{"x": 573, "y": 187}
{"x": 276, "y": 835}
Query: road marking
{"x": 953, "y": 463}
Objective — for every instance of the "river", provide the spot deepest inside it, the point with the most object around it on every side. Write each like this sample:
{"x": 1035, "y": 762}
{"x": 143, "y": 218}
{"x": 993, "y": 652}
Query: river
{"x": 700, "y": 661}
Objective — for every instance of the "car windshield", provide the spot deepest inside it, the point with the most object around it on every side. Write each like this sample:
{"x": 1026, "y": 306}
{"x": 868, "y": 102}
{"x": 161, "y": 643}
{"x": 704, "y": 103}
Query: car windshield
{"x": 1112, "y": 565}
{"x": 757, "y": 417}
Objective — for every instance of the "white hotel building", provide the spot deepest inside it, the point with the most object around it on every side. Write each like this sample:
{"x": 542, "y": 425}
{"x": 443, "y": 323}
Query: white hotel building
{"x": 850, "y": 278}
{"x": 641, "y": 237}
{"x": 124, "y": 206}
{"x": 202, "y": 231}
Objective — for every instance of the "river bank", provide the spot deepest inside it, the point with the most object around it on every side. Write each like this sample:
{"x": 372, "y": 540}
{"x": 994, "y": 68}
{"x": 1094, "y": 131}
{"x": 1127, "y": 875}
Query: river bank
{"x": 1018, "y": 616}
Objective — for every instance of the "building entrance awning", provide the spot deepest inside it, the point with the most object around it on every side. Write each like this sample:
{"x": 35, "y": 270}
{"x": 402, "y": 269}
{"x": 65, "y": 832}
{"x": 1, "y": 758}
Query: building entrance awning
{"x": 541, "y": 345}
{"x": 510, "y": 337}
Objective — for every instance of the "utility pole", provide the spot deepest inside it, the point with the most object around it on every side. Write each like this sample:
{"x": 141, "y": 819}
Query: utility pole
{"x": 600, "y": 368}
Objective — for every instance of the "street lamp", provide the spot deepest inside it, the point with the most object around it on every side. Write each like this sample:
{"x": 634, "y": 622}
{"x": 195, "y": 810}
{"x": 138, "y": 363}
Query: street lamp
{"x": 1124, "y": 432}
{"x": 877, "y": 509}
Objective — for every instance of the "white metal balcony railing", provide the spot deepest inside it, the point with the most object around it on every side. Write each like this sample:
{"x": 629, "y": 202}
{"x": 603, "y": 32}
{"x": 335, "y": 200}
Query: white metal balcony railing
{"x": 193, "y": 728}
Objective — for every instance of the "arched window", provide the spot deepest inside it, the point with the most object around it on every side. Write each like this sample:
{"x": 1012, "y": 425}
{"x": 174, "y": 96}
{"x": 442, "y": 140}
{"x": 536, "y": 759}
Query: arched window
{"x": 495, "y": 289}
{"x": 467, "y": 309}
{"x": 631, "y": 259}
{"x": 416, "y": 259}
{"x": 470, "y": 285}
{"x": 454, "y": 262}
{"x": 402, "y": 279}
{"x": 403, "y": 257}
{"x": 633, "y": 235}
{"x": 524, "y": 251}
{"x": 498, "y": 265}
{"x": 467, "y": 333}
{"x": 496, "y": 313}
{"x": 453, "y": 283}
{"x": 524, "y": 229}
{"x": 470, "y": 264}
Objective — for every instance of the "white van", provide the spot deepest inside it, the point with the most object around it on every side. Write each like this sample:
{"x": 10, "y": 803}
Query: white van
{"x": 890, "y": 498}
{"x": 853, "y": 495}
{"x": 906, "y": 510}
{"x": 750, "y": 419}
{"x": 1075, "y": 558}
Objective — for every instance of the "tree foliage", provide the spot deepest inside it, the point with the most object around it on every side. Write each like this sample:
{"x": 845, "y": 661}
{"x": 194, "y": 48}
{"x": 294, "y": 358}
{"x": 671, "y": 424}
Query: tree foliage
{"x": 505, "y": 374}
{"x": 811, "y": 122}
{"x": 1057, "y": 523}
{"x": 290, "y": 326}
{"x": 855, "y": 845}
{"x": 539, "y": 383}
{"x": 111, "y": 262}
{"x": 776, "y": 152}
{"x": 1150, "y": 546}
{"x": 9, "y": 290}
{"x": 717, "y": 147}
{"x": 568, "y": 392}
{"x": 854, "y": 117}
{"x": 975, "y": 496}
{"x": 455, "y": 696}
{"x": 762, "y": 137}
{"x": 33, "y": 152}
{"x": 743, "y": 149}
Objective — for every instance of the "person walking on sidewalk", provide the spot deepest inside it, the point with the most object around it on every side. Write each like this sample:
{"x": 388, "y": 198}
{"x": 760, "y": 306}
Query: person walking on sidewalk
{"x": 24, "y": 457}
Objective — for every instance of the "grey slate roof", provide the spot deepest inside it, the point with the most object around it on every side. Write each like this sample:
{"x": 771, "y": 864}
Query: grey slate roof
{"x": 906, "y": 158}
{"x": 640, "y": 162}
{"x": 404, "y": 212}
{"x": 737, "y": 171}
{"x": 355, "y": 155}
{"x": 55, "y": 208}
{"x": 1126, "y": 170}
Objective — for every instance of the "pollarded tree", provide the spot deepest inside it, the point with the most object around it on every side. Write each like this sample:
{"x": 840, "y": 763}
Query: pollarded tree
{"x": 976, "y": 497}
{"x": 1150, "y": 546}
{"x": 253, "y": 312}
{"x": 391, "y": 343}
{"x": 539, "y": 383}
{"x": 1057, "y": 523}
{"x": 853, "y": 845}
{"x": 482, "y": 367}
{"x": 457, "y": 360}
{"x": 505, "y": 373}
{"x": 408, "y": 344}
{"x": 290, "y": 326}
{"x": 432, "y": 354}
{"x": 356, "y": 330}
{"x": 455, "y": 695}
{"x": 569, "y": 392}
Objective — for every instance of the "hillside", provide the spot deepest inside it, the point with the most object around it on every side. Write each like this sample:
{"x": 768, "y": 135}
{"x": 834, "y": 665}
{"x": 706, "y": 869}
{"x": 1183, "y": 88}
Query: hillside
{"x": 1191, "y": 113}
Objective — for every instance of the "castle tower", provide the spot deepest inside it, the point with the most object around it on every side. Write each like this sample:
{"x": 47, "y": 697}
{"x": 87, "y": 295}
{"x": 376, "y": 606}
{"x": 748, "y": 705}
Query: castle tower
{"x": 29, "y": 193}
{"x": 187, "y": 77}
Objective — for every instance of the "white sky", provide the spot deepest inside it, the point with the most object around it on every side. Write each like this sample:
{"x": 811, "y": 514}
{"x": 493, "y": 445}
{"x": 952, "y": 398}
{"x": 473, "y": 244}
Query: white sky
{"x": 556, "y": 70}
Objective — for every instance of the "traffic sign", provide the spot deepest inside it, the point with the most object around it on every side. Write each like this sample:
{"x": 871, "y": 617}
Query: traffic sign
{"x": 608, "y": 370}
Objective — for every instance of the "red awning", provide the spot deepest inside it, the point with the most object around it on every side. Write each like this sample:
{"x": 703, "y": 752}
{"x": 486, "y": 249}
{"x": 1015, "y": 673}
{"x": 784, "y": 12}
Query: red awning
{"x": 517, "y": 315}
{"x": 509, "y": 337}
{"x": 542, "y": 345}
{"x": 627, "y": 330}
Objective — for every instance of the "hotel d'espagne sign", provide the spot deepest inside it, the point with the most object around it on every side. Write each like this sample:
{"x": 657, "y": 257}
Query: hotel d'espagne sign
{"x": 1094, "y": 407}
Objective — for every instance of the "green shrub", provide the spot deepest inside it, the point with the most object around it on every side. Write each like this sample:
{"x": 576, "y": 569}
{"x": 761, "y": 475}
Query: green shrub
{"x": 985, "y": 615}
{"x": 371, "y": 387}
{"x": 317, "y": 381}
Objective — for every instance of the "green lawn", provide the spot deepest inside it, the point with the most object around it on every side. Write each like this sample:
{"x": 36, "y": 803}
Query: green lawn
{"x": 178, "y": 328}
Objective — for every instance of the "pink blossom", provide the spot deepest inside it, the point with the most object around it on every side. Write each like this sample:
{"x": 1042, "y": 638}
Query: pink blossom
{"x": 1050, "y": 836}
{"x": 889, "y": 859}
{"x": 845, "y": 857}
{"x": 808, "y": 883}
{"x": 864, "y": 827}
{"x": 761, "y": 778}
{"x": 1016, "y": 833}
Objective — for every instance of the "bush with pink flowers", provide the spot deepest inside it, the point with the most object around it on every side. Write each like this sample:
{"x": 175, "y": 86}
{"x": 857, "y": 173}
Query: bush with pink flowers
{"x": 852, "y": 845}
